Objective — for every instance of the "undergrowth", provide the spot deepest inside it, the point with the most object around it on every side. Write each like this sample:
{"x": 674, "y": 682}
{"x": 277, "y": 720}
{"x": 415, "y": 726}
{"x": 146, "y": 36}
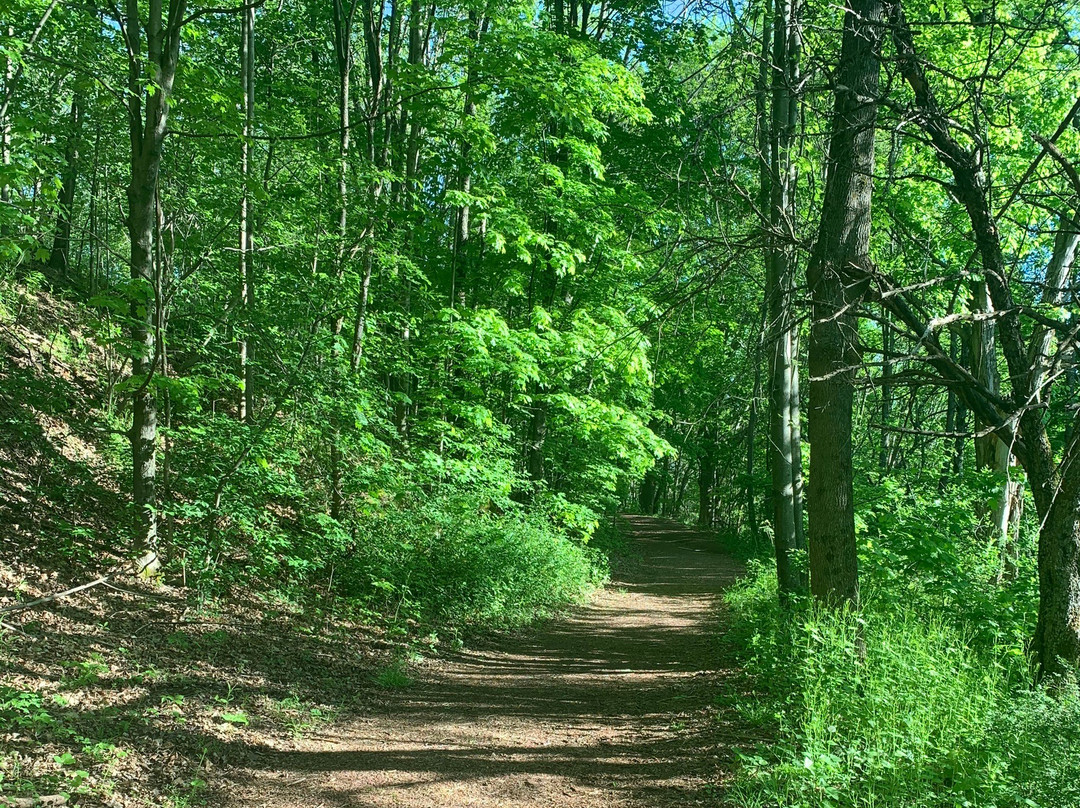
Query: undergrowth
{"x": 915, "y": 701}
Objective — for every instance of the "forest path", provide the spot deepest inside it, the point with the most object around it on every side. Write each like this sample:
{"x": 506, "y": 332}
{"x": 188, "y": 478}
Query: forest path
{"x": 613, "y": 705}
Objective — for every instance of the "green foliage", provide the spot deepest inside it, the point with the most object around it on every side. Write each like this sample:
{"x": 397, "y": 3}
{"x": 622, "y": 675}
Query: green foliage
{"x": 394, "y": 676}
{"x": 448, "y": 561}
{"x": 912, "y": 701}
{"x": 21, "y": 711}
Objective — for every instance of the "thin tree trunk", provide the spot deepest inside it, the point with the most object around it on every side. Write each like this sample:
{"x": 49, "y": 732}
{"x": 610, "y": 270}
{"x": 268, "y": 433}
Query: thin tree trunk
{"x": 749, "y": 493}
{"x": 460, "y": 275}
{"x": 784, "y": 411}
{"x": 344, "y": 12}
{"x": 59, "y": 257}
{"x": 5, "y": 129}
{"x": 534, "y": 449}
{"x": 147, "y": 117}
{"x": 247, "y": 219}
{"x": 706, "y": 481}
{"x": 885, "y": 455}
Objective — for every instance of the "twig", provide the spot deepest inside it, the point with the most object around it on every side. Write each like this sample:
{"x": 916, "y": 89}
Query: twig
{"x": 17, "y": 630}
{"x": 18, "y": 607}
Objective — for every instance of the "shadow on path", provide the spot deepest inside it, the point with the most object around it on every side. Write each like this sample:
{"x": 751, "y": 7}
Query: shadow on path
{"x": 612, "y": 706}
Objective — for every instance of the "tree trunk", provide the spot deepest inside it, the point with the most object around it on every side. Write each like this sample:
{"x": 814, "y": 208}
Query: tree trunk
{"x": 749, "y": 492}
{"x": 247, "y": 220}
{"x": 5, "y": 131}
{"x": 706, "y": 480}
{"x": 843, "y": 241}
{"x": 647, "y": 494}
{"x": 1057, "y": 633}
{"x": 983, "y": 352}
{"x": 885, "y": 455}
{"x": 460, "y": 274}
{"x": 148, "y": 112}
{"x": 534, "y": 449}
{"x": 59, "y": 257}
{"x": 784, "y": 411}
{"x": 141, "y": 194}
{"x": 344, "y": 13}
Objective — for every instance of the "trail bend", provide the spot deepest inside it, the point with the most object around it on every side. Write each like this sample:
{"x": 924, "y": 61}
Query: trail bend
{"x": 613, "y": 705}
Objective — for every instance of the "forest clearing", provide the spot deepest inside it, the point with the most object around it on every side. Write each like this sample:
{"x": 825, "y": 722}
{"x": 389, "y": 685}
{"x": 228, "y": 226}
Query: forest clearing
{"x": 564, "y": 402}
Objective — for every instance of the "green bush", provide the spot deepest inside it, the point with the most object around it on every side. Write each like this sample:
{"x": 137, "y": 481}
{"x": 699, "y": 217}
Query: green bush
{"x": 447, "y": 562}
{"x": 889, "y": 708}
{"x": 429, "y": 539}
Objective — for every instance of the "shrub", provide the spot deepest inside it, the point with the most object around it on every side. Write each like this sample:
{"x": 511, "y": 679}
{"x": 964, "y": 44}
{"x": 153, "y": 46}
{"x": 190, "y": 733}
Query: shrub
{"x": 890, "y": 708}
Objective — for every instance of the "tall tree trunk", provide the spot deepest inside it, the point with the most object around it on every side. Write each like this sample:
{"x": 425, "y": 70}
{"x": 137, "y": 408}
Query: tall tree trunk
{"x": 247, "y": 219}
{"x": 59, "y": 256}
{"x": 148, "y": 112}
{"x": 957, "y": 351}
{"x": 784, "y": 410}
{"x": 401, "y": 380}
{"x": 749, "y": 492}
{"x": 344, "y": 14}
{"x": 706, "y": 481}
{"x": 885, "y": 455}
{"x": 992, "y": 453}
{"x": 5, "y": 130}
{"x": 843, "y": 241}
{"x": 460, "y": 274}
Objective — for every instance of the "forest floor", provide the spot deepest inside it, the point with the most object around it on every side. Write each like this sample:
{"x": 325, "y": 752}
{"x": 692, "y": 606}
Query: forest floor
{"x": 618, "y": 703}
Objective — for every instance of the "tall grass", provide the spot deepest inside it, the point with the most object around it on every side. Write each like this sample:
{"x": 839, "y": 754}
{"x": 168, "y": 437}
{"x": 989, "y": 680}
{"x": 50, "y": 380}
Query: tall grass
{"x": 893, "y": 708}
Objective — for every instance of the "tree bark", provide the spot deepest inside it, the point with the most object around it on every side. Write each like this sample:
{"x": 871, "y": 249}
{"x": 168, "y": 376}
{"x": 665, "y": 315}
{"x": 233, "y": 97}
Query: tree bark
{"x": 843, "y": 242}
{"x": 785, "y": 443}
{"x": 460, "y": 274}
{"x": 59, "y": 256}
{"x": 885, "y": 455}
{"x": 5, "y": 129}
{"x": 344, "y": 14}
{"x": 706, "y": 481}
{"x": 148, "y": 112}
{"x": 247, "y": 220}
{"x": 534, "y": 449}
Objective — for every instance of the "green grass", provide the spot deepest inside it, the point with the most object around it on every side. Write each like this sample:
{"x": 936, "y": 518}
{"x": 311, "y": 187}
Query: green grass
{"x": 394, "y": 676}
{"x": 892, "y": 708}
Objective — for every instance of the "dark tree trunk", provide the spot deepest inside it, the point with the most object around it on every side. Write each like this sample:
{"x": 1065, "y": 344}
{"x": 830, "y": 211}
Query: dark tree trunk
{"x": 843, "y": 241}
{"x": 60, "y": 255}
{"x": 648, "y": 492}
{"x": 1057, "y": 633}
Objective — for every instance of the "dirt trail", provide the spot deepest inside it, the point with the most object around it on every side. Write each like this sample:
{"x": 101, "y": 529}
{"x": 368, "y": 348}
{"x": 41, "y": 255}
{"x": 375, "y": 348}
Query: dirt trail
{"x": 612, "y": 706}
